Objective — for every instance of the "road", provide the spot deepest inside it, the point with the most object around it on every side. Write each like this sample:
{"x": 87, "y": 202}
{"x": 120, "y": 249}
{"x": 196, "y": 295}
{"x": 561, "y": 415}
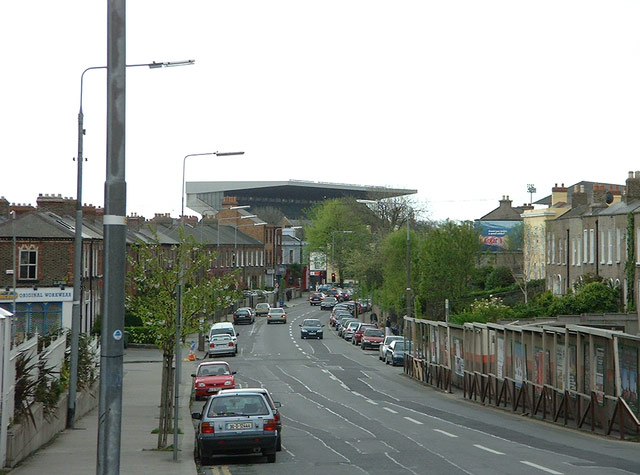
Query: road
{"x": 346, "y": 412}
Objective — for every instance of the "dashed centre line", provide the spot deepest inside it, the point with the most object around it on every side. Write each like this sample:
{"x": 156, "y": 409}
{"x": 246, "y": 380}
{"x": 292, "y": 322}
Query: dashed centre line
{"x": 482, "y": 447}
{"x": 388, "y": 409}
{"x": 412, "y": 420}
{"x": 540, "y": 467}
{"x": 444, "y": 432}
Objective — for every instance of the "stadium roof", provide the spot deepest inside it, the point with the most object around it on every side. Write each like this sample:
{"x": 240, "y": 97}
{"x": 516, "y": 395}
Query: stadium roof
{"x": 292, "y": 197}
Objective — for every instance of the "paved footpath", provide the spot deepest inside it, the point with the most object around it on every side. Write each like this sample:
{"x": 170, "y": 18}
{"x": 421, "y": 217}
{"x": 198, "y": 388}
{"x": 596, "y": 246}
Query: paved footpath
{"x": 74, "y": 452}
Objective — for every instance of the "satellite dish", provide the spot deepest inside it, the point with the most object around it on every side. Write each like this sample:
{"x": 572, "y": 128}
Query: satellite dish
{"x": 608, "y": 198}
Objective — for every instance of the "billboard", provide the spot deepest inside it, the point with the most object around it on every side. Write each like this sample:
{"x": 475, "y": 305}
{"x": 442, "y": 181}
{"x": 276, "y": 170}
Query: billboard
{"x": 317, "y": 261}
{"x": 494, "y": 234}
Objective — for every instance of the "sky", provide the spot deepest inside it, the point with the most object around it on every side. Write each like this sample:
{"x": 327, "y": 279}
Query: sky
{"x": 464, "y": 101}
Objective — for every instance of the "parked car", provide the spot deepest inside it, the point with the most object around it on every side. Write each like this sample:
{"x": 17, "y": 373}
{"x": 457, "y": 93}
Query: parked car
{"x": 357, "y": 334}
{"x": 395, "y": 352}
{"x": 262, "y": 309}
{"x": 315, "y": 298}
{"x": 212, "y": 376}
{"x": 236, "y": 423}
{"x": 342, "y": 325}
{"x": 221, "y": 328}
{"x": 349, "y": 329}
{"x": 385, "y": 344}
{"x": 275, "y": 406}
{"x": 328, "y": 303}
{"x": 371, "y": 338}
{"x": 311, "y": 328}
{"x": 221, "y": 345}
{"x": 276, "y": 314}
{"x": 243, "y": 314}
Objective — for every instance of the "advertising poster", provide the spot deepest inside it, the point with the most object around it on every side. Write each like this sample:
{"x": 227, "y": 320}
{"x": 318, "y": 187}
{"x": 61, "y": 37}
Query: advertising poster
{"x": 587, "y": 370}
{"x": 560, "y": 367}
{"x": 500, "y": 357}
{"x": 539, "y": 364}
{"x": 629, "y": 376}
{"x": 458, "y": 356}
{"x": 433, "y": 346}
{"x": 494, "y": 235}
{"x": 599, "y": 369}
{"x": 518, "y": 365}
{"x": 573, "y": 368}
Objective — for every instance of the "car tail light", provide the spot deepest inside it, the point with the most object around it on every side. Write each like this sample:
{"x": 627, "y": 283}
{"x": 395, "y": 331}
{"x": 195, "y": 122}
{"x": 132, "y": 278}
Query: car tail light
{"x": 270, "y": 424}
{"x": 230, "y": 343}
{"x": 207, "y": 428}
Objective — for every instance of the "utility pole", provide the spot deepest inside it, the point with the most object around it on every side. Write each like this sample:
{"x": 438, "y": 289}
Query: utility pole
{"x": 112, "y": 344}
{"x": 408, "y": 267}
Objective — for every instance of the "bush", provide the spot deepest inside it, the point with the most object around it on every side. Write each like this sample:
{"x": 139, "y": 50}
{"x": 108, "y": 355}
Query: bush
{"x": 483, "y": 311}
{"x": 499, "y": 278}
{"x": 142, "y": 335}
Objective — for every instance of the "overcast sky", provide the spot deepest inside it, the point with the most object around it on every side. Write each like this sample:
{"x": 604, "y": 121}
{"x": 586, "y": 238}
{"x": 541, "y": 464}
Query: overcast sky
{"x": 464, "y": 101}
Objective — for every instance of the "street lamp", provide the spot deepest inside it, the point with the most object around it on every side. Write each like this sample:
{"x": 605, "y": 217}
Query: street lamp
{"x": 178, "y": 355}
{"x": 77, "y": 254}
{"x": 235, "y": 237}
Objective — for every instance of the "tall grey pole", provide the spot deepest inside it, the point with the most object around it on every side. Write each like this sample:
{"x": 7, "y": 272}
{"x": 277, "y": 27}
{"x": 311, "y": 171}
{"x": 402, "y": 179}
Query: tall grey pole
{"x": 112, "y": 344}
{"x": 408, "y": 267}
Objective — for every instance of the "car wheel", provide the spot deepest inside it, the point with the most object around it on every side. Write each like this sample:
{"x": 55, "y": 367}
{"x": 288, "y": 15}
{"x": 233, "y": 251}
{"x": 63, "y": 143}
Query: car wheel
{"x": 271, "y": 458}
{"x": 386, "y": 360}
{"x": 320, "y": 338}
{"x": 279, "y": 444}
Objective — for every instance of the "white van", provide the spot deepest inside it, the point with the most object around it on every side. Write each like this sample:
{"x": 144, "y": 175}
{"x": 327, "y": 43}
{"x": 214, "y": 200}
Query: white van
{"x": 222, "y": 328}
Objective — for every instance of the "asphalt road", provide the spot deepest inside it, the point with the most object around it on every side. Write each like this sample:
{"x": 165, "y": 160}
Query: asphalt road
{"x": 346, "y": 412}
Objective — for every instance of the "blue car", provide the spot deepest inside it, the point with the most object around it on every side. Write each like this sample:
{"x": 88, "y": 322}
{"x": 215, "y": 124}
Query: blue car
{"x": 311, "y": 328}
{"x": 395, "y": 352}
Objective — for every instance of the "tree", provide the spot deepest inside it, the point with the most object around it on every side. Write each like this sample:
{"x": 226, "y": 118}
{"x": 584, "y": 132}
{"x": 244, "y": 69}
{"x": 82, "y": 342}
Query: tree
{"x": 329, "y": 221}
{"x": 152, "y": 284}
{"x": 447, "y": 260}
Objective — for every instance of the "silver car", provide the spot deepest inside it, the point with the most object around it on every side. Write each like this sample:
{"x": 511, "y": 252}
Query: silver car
{"x": 236, "y": 423}
{"x": 350, "y": 330}
{"x": 221, "y": 344}
{"x": 382, "y": 349}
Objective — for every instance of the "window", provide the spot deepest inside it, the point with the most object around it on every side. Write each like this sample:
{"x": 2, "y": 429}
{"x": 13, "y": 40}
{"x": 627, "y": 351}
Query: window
{"x": 573, "y": 252}
{"x": 28, "y": 264}
{"x": 610, "y": 247}
{"x": 579, "y": 250}
{"x": 602, "y": 248}
{"x": 548, "y": 249}
{"x": 560, "y": 252}
{"x": 291, "y": 256}
{"x": 592, "y": 244}
{"x": 618, "y": 244}
{"x": 585, "y": 243}
{"x": 553, "y": 250}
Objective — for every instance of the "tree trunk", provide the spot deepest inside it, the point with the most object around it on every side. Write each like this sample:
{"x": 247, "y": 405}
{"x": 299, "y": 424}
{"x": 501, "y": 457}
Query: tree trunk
{"x": 166, "y": 393}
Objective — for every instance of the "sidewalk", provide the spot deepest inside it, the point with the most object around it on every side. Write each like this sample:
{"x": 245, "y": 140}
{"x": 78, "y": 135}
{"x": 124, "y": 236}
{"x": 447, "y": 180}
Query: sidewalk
{"x": 74, "y": 452}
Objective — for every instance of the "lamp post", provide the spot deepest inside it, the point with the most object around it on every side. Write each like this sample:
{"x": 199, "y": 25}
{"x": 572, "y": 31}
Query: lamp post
{"x": 77, "y": 254}
{"x": 235, "y": 237}
{"x": 178, "y": 349}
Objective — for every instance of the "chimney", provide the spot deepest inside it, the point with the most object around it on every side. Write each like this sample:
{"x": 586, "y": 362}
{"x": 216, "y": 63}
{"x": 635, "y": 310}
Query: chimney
{"x": 4, "y": 208}
{"x": 505, "y": 202}
{"x": 559, "y": 194}
{"x": 57, "y": 204}
{"x": 616, "y": 193}
{"x": 89, "y": 213}
{"x": 190, "y": 220}
{"x": 598, "y": 194}
{"x": 135, "y": 222}
{"x": 163, "y": 219}
{"x": 229, "y": 201}
{"x": 579, "y": 197}
{"x": 633, "y": 187}
{"x": 22, "y": 208}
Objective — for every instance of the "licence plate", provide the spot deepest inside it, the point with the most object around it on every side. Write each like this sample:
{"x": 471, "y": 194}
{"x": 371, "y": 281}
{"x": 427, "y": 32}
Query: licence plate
{"x": 312, "y": 333}
{"x": 240, "y": 425}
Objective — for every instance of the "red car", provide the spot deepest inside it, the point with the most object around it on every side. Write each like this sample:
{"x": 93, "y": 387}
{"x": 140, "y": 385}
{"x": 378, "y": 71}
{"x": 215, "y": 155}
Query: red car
{"x": 357, "y": 334}
{"x": 211, "y": 377}
{"x": 372, "y": 338}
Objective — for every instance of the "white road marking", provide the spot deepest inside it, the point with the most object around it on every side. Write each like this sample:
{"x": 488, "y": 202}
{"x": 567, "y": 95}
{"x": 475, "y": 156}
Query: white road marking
{"x": 482, "y": 447}
{"x": 413, "y": 420}
{"x": 390, "y": 410}
{"x": 448, "y": 434}
{"x": 321, "y": 441}
{"x": 372, "y": 402}
{"x": 540, "y": 467}
{"x": 399, "y": 464}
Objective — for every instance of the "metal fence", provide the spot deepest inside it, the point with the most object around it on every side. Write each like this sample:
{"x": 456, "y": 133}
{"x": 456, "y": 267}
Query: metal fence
{"x": 579, "y": 376}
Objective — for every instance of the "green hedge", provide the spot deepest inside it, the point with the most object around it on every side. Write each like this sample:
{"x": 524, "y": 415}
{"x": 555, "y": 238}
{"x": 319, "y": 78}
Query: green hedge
{"x": 141, "y": 335}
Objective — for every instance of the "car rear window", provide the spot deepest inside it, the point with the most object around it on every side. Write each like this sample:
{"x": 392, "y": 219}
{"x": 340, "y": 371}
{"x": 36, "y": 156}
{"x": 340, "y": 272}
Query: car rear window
{"x": 221, "y": 331}
{"x": 238, "y": 405}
